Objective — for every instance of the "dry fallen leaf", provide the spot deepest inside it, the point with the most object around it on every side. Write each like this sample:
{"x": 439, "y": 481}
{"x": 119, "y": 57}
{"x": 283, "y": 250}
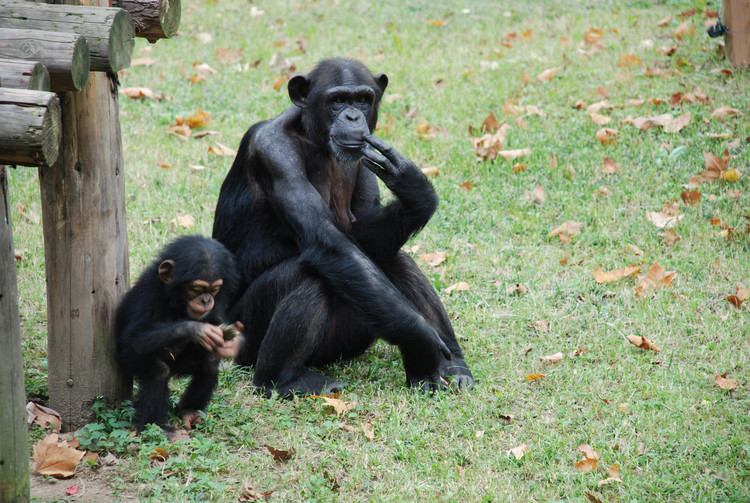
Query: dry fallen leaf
{"x": 723, "y": 112}
{"x": 566, "y": 230}
{"x": 587, "y": 451}
{"x": 552, "y": 359}
{"x": 586, "y": 464}
{"x": 518, "y": 452}
{"x": 433, "y": 259}
{"x": 726, "y": 384}
{"x": 513, "y": 154}
{"x": 607, "y": 136}
{"x": 610, "y": 167}
{"x": 338, "y": 405}
{"x": 548, "y": 74}
{"x": 461, "y": 286}
{"x": 614, "y": 475}
{"x": 137, "y": 92}
{"x": 533, "y": 377}
{"x": 662, "y": 221}
{"x": 43, "y": 416}
{"x": 56, "y": 459}
{"x": 602, "y": 276}
{"x": 642, "y": 343}
{"x": 281, "y": 456}
{"x": 691, "y": 197}
{"x": 187, "y": 221}
{"x": 537, "y": 195}
{"x": 517, "y": 289}
{"x": 602, "y": 120}
{"x": 654, "y": 279}
{"x": 741, "y": 295}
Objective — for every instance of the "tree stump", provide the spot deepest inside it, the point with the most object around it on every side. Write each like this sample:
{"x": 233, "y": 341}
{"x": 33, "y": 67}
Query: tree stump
{"x": 153, "y": 19}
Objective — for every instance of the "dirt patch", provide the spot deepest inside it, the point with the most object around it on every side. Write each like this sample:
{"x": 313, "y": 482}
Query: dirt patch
{"x": 93, "y": 485}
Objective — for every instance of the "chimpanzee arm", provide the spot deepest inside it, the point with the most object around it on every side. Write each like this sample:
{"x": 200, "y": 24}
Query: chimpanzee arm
{"x": 333, "y": 254}
{"x": 382, "y": 231}
{"x": 172, "y": 336}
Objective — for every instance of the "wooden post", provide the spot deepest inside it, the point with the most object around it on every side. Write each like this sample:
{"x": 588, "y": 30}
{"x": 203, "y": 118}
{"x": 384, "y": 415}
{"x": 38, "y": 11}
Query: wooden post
{"x": 737, "y": 40}
{"x": 14, "y": 447}
{"x": 153, "y": 19}
{"x": 65, "y": 55}
{"x": 109, "y": 32}
{"x": 86, "y": 253}
{"x": 20, "y": 74}
{"x": 30, "y": 127}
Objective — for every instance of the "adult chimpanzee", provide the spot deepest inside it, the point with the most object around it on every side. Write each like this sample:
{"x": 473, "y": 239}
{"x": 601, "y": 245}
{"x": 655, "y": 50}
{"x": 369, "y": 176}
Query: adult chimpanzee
{"x": 167, "y": 325}
{"x": 300, "y": 209}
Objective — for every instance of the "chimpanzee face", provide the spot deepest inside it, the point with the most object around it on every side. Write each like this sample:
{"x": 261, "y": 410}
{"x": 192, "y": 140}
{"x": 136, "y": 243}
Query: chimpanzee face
{"x": 200, "y": 297}
{"x": 348, "y": 109}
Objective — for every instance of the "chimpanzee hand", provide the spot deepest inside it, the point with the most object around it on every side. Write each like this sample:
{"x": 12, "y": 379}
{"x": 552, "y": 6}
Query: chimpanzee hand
{"x": 191, "y": 418}
{"x": 388, "y": 165}
{"x": 209, "y": 336}
{"x": 230, "y": 348}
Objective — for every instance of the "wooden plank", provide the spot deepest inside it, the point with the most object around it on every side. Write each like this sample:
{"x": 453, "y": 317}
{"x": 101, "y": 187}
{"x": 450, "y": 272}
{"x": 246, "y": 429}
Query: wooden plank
{"x": 30, "y": 127}
{"x": 737, "y": 39}
{"x": 153, "y": 19}
{"x": 65, "y": 55}
{"x": 109, "y": 32}
{"x": 14, "y": 446}
{"x": 21, "y": 74}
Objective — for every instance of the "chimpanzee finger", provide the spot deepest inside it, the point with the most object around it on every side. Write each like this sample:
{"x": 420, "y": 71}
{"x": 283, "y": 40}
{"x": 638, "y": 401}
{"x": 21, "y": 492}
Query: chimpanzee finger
{"x": 383, "y": 146}
{"x": 375, "y": 156}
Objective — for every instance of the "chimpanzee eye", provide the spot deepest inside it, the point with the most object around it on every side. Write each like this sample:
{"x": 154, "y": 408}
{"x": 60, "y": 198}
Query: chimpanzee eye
{"x": 338, "y": 100}
{"x": 215, "y": 290}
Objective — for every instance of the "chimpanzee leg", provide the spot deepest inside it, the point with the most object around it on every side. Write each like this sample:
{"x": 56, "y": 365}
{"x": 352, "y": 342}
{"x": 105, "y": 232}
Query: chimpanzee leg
{"x": 407, "y": 277}
{"x": 201, "y": 387}
{"x": 298, "y": 326}
{"x": 152, "y": 400}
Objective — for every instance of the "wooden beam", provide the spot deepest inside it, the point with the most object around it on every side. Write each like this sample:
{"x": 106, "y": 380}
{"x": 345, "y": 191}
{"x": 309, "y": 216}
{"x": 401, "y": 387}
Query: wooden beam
{"x": 65, "y": 55}
{"x": 30, "y": 127}
{"x": 20, "y": 74}
{"x": 109, "y": 31}
{"x": 153, "y": 19}
{"x": 736, "y": 18}
{"x": 14, "y": 446}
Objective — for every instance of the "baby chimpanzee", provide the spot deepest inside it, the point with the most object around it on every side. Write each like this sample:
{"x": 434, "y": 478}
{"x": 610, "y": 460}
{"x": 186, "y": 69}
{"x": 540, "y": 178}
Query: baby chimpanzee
{"x": 168, "y": 324}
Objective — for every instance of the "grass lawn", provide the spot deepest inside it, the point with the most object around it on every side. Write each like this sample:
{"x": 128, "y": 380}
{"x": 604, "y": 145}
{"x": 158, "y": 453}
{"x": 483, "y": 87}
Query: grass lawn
{"x": 518, "y": 287}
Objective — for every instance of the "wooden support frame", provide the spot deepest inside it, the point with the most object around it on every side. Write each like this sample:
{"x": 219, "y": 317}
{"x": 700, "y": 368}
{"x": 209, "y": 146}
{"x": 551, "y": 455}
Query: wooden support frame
{"x": 736, "y": 18}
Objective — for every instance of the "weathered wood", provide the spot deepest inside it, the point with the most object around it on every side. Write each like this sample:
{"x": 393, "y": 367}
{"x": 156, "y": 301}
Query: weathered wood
{"x": 30, "y": 127}
{"x": 109, "y": 31}
{"x": 85, "y": 247}
{"x": 65, "y": 55}
{"x": 737, "y": 39}
{"x": 21, "y": 74}
{"x": 153, "y": 19}
{"x": 14, "y": 449}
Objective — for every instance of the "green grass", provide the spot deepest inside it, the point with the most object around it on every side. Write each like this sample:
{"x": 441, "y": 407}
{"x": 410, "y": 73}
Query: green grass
{"x": 679, "y": 438}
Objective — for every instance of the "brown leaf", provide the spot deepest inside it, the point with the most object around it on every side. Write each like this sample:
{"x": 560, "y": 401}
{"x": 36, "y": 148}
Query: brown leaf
{"x": 628, "y": 60}
{"x": 338, "y": 405}
{"x": 724, "y": 112}
{"x": 614, "y": 475}
{"x": 187, "y": 221}
{"x": 636, "y": 251}
{"x": 548, "y": 74}
{"x": 568, "y": 229}
{"x": 741, "y": 295}
{"x": 43, "y": 416}
{"x": 368, "y": 429}
{"x": 281, "y": 456}
{"x": 181, "y": 131}
{"x": 516, "y": 289}
{"x": 722, "y": 382}
{"x": 587, "y": 451}
{"x": 691, "y": 197}
{"x": 537, "y": 195}
{"x": 670, "y": 237}
{"x": 518, "y": 452}
{"x": 461, "y": 286}
{"x": 642, "y": 343}
{"x": 662, "y": 220}
{"x": 540, "y": 325}
{"x": 676, "y": 125}
{"x": 221, "y": 149}
{"x": 55, "y": 459}
{"x": 490, "y": 124}
{"x": 586, "y": 464}
{"x": 610, "y": 276}
{"x": 610, "y": 167}
{"x": 137, "y": 92}
{"x": 607, "y": 136}
{"x": 431, "y": 171}
{"x": 433, "y": 259}
{"x": 533, "y": 377}
{"x": 654, "y": 279}
{"x": 602, "y": 120}
{"x": 552, "y": 359}
{"x": 198, "y": 119}
{"x": 513, "y": 154}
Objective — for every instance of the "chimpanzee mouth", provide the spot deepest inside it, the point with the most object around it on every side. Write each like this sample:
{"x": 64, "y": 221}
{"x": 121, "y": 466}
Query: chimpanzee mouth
{"x": 350, "y": 144}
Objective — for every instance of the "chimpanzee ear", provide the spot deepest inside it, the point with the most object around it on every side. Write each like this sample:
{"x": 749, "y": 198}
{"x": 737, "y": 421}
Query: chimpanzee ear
{"x": 381, "y": 80}
{"x": 298, "y": 87}
{"x": 166, "y": 270}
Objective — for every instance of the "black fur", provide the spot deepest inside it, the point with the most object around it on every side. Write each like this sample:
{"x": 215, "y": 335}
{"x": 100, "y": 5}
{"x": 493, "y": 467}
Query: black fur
{"x": 324, "y": 275}
{"x": 156, "y": 337}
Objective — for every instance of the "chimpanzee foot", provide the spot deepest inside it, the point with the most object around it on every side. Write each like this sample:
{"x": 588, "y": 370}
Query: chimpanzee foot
{"x": 307, "y": 383}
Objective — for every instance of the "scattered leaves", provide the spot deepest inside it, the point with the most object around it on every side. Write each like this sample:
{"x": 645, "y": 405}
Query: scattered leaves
{"x": 607, "y": 136}
{"x": 433, "y": 259}
{"x": 187, "y": 221}
{"x": 740, "y": 296}
{"x": 533, "y": 377}
{"x": 43, "y": 416}
{"x": 552, "y": 359}
{"x": 461, "y": 286}
{"x": 548, "y": 74}
{"x": 614, "y": 475}
{"x": 654, "y": 279}
{"x": 566, "y": 230}
{"x": 340, "y": 406}
{"x": 586, "y": 464}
